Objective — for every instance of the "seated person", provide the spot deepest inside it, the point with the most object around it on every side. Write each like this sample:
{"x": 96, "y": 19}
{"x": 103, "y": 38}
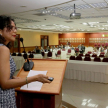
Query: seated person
{"x": 37, "y": 50}
{"x": 48, "y": 48}
{"x": 61, "y": 46}
{"x": 42, "y": 50}
{"x": 101, "y": 49}
{"x": 106, "y": 55}
{"x": 72, "y": 47}
{"x": 77, "y": 51}
{"x": 94, "y": 50}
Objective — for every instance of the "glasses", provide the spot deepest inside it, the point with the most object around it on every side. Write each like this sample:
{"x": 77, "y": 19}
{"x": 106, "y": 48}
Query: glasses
{"x": 12, "y": 28}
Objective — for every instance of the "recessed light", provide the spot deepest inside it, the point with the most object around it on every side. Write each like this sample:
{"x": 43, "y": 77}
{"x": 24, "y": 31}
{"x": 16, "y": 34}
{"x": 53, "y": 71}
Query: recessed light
{"x": 84, "y": 23}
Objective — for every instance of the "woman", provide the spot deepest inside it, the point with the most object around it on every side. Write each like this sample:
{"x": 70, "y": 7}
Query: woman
{"x": 7, "y": 66}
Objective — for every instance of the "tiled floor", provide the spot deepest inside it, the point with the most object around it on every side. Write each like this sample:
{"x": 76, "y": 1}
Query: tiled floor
{"x": 83, "y": 94}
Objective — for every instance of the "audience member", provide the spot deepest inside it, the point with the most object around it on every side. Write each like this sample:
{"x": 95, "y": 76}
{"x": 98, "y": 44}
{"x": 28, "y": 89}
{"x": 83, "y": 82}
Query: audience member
{"x": 76, "y": 51}
{"x": 82, "y": 48}
{"x": 72, "y": 47}
{"x": 106, "y": 55}
{"x": 101, "y": 49}
{"x": 42, "y": 50}
{"x": 37, "y": 50}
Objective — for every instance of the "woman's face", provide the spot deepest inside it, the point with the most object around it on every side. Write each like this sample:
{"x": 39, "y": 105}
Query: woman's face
{"x": 9, "y": 35}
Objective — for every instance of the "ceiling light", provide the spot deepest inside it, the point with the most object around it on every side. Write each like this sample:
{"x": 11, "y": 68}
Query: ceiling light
{"x": 84, "y": 23}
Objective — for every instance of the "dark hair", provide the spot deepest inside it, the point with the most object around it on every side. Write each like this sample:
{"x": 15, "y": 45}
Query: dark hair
{"x": 5, "y": 21}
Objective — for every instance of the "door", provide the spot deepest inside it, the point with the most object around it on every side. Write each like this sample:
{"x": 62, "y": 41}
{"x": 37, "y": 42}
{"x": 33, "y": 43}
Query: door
{"x": 44, "y": 41}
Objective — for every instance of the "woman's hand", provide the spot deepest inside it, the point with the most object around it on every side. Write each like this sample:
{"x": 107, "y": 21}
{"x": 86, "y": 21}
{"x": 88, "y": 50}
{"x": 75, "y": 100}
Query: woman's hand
{"x": 43, "y": 78}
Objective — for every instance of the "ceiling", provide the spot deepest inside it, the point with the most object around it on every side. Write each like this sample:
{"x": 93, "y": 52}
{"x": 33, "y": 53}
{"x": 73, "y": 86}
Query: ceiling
{"x": 54, "y": 15}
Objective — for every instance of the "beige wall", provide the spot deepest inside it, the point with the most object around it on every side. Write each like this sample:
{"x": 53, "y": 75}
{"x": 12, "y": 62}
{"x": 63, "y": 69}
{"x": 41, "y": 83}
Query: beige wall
{"x": 32, "y": 38}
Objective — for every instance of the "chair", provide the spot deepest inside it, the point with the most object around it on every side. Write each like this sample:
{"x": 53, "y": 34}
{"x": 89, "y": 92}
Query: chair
{"x": 94, "y": 55}
{"x": 97, "y": 59}
{"x": 95, "y": 45}
{"x": 25, "y": 55}
{"x": 69, "y": 52}
{"x": 106, "y": 44}
{"x": 58, "y": 53}
{"x": 101, "y": 55}
{"x": 72, "y": 58}
{"x": 105, "y": 60}
{"x": 87, "y": 55}
{"x": 103, "y": 44}
{"x": 31, "y": 55}
{"x": 99, "y": 44}
{"x": 43, "y": 54}
{"x": 63, "y": 49}
{"x": 24, "y": 52}
{"x": 49, "y": 55}
{"x": 78, "y": 58}
{"x": 76, "y": 51}
{"x": 29, "y": 51}
{"x": 33, "y": 52}
{"x": 81, "y": 55}
{"x": 13, "y": 54}
{"x": 89, "y": 52}
{"x": 19, "y": 54}
{"x": 87, "y": 58}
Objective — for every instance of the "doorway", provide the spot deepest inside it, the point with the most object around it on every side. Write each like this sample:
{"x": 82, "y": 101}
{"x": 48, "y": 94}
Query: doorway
{"x": 44, "y": 41}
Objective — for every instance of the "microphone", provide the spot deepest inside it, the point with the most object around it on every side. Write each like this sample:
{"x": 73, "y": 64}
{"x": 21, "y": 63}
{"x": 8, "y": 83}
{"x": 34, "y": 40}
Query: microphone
{"x": 29, "y": 64}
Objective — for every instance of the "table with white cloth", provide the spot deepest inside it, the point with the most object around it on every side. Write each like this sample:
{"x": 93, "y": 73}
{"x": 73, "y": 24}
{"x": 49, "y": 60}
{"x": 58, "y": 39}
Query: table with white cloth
{"x": 38, "y": 56}
{"x": 19, "y": 61}
{"x": 87, "y": 71}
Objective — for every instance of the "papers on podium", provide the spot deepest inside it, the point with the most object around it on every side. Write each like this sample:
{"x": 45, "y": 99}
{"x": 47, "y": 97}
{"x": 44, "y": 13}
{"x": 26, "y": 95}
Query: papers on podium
{"x": 36, "y": 86}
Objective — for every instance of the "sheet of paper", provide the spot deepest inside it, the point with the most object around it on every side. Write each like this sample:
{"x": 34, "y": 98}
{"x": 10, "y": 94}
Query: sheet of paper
{"x": 36, "y": 86}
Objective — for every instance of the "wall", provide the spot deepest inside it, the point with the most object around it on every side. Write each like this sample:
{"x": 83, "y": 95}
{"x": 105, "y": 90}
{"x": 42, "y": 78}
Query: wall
{"x": 75, "y": 35}
{"x": 32, "y": 38}
{"x": 87, "y": 36}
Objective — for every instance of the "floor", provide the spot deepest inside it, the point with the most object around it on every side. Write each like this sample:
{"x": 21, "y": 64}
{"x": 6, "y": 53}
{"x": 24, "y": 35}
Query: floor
{"x": 82, "y": 94}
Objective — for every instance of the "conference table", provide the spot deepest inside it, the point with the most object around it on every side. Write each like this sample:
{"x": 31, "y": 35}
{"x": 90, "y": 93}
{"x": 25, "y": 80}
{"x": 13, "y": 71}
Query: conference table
{"x": 38, "y": 56}
{"x": 87, "y": 71}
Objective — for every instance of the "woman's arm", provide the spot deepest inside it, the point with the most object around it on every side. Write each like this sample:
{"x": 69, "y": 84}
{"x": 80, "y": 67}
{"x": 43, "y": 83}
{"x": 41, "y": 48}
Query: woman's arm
{"x": 5, "y": 81}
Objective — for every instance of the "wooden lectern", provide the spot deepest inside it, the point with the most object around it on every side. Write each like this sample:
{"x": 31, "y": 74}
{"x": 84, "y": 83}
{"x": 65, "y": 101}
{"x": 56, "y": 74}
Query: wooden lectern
{"x": 50, "y": 95}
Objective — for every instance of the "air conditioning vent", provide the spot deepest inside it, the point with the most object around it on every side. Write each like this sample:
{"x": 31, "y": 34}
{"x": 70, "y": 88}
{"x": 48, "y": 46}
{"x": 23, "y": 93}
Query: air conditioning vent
{"x": 50, "y": 25}
{"x": 40, "y": 14}
{"x": 68, "y": 21}
{"x": 103, "y": 8}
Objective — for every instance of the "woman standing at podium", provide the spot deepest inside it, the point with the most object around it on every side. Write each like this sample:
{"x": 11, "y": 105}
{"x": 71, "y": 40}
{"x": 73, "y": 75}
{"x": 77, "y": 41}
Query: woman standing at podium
{"x": 7, "y": 66}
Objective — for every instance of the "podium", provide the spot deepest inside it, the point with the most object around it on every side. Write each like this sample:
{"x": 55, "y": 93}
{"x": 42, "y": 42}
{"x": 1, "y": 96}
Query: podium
{"x": 50, "y": 95}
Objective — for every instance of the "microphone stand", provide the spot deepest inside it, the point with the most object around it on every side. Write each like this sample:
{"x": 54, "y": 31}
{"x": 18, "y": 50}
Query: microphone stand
{"x": 29, "y": 64}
